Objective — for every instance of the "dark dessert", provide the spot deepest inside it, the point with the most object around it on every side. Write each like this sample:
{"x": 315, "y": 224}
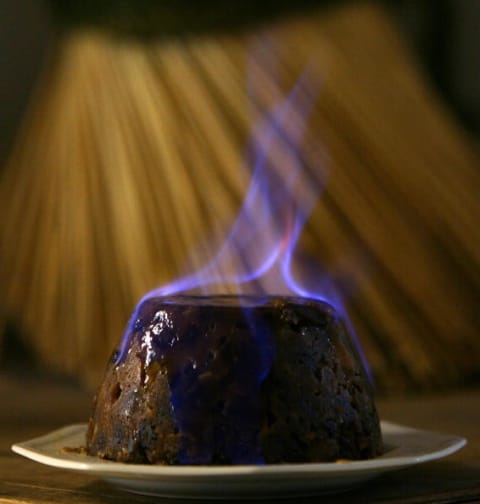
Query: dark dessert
{"x": 234, "y": 380}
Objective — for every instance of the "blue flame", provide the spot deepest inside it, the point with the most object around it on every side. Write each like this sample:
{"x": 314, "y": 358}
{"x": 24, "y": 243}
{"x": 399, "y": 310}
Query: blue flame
{"x": 261, "y": 238}
{"x": 260, "y": 248}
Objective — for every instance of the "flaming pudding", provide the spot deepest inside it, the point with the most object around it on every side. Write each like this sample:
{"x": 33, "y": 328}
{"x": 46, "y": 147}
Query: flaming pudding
{"x": 234, "y": 380}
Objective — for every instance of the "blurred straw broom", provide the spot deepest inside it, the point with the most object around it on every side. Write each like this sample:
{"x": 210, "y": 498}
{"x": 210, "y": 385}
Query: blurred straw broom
{"x": 131, "y": 157}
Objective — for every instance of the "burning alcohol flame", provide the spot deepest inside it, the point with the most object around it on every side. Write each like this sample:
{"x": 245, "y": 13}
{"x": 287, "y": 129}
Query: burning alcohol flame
{"x": 259, "y": 250}
{"x": 258, "y": 256}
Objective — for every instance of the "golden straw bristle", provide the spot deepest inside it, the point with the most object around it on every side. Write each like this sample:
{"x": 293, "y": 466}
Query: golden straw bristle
{"x": 130, "y": 167}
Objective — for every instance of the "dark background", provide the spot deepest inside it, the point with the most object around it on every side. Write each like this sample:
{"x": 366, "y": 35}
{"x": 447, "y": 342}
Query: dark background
{"x": 444, "y": 35}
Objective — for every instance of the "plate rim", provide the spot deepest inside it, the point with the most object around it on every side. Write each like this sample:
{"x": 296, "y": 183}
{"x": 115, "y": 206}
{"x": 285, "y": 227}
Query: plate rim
{"x": 32, "y": 450}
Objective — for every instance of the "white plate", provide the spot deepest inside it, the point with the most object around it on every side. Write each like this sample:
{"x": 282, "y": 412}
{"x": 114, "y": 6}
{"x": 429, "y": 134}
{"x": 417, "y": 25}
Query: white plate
{"x": 404, "y": 447}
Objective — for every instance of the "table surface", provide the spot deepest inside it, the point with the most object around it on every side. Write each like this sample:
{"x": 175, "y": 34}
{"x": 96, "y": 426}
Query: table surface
{"x": 34, "y": 405}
